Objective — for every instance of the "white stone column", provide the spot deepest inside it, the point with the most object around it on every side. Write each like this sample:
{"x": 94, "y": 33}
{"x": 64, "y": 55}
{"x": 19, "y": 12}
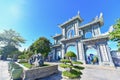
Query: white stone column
{"x": 92, "y": 31}
{"x": 63, "y": 32}
{"x": 63, "y": 51}
{"x": 104, "y": 53}
{"x": 106, "y": 57}
{"x": 81, "y": 52}
{"x": 53, "y": 54}
{"x": 99, "y": 54}
{"x": 77, "y": 50}
{"x": 76, "y": 28}
{"x": 99, "y": 30}
{"x": 54, "y": 41}
{"x": 109, "y": 55}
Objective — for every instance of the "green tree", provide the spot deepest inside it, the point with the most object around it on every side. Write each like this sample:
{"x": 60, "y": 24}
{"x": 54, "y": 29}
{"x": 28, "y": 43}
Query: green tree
{"x": 11, "y": 41}
{"x": 8, "y": 50}
{"x": 42, "y": 45}
{"x": 72, "y": 70}
{"x": 115, "y": 34}
{"x": 23, "y": 55}
{"x": 14, "y": 54}
{"x": 70, "y": 54}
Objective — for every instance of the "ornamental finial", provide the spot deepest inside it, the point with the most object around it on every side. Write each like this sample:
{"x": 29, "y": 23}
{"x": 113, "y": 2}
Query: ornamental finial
{"x": 78, "y": 12}
{"x": 101, "y": 15}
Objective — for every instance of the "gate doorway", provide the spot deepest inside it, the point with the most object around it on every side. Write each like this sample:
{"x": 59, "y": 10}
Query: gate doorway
{"x": 73, "y": 49}
{"x": 92, "y": 56}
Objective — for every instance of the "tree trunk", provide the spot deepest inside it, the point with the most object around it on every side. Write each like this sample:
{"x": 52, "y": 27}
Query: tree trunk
{"x": 70, "y": 63}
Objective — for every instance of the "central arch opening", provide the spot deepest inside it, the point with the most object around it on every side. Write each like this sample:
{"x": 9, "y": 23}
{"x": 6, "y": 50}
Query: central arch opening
{"x": 73, "y": 49}
{"x": 92, "y": 56}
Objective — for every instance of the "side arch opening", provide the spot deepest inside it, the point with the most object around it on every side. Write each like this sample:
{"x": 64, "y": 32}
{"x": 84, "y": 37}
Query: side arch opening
{"x": 92, "y": 56}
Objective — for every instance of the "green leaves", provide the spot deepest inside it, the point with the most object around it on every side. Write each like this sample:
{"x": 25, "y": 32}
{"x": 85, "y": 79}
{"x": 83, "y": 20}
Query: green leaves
{"x": 70, "y": 54}
{"x": 65, "y": 61}
{"x": 11, "y": 41}
{"x": 115, "y": 35}
{"x": 11, "y": 37}
{"x": 77, "y": 62}
{"x": 72, "y": 74}
{"x": 65, "y": 65}
{"x": 42, "y": 45}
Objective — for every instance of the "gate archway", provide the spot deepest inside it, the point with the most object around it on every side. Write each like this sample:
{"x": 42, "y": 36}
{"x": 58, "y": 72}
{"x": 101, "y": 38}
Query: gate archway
{"x": 73, "y": 49}
{"x": 92, "y": 56}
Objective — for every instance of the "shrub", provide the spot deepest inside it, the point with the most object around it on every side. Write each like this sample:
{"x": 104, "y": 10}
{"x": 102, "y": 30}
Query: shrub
{"x": 78, "y": 67}
{"x": 70, "y": 54}
{"x": 74, "y": 70}
{"x": 22, "y": 61}
{"x": 77, "y": 62}
{"x": 72, "y": 74}
{"x": 65, "y": 65}
{"x": 65, "y": 60}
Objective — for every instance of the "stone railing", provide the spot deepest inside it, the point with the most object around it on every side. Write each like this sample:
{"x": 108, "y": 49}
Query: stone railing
{"x": 40, "y": 72}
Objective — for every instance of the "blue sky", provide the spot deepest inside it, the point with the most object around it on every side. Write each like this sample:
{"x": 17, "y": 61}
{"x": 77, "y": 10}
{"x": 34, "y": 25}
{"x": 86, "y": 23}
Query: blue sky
{"x": 35, "y": 18}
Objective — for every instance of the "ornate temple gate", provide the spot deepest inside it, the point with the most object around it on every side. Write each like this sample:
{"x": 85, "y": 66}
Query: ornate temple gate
{"x": 74, "y": 34}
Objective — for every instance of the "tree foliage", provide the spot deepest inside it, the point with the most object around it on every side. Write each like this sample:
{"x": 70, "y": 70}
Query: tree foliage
{"x": 10, "y": 37}
{"x": 10, "y": 40}
{"x": 9, "y": 49}
{"x": 26, "y": 54}
{"x": 42, "y": 45}
{"x": 115, "y": 34}
{"x": 70, "y": 54}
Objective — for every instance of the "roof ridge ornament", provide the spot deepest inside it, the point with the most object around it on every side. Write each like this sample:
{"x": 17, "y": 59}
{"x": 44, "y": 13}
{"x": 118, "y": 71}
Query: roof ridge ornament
{"x": 96, "y": 18}
{"x": 78, "y": 12}
{"x": 101, "y": 18}
{"x": 111, "y": 29}
{"x": 101, "y": 15}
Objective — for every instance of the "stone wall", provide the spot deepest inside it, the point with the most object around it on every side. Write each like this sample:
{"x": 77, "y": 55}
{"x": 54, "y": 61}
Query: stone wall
{"x": 40, "y": 72}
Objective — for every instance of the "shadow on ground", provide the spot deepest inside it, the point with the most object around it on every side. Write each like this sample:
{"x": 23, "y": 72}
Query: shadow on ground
{"x": 57, "y": 76}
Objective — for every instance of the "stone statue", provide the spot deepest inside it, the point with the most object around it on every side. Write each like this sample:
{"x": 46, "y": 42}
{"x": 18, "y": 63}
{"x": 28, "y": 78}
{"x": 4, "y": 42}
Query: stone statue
{"x": 37, "y": 60}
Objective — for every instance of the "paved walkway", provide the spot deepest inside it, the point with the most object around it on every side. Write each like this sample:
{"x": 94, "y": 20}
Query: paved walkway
{"x": 4, "y": 75}
{"x": 89, "y": 73}
{"x": 100, "y": 73}
{"x": 92, "y": 72}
